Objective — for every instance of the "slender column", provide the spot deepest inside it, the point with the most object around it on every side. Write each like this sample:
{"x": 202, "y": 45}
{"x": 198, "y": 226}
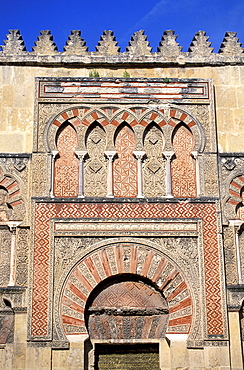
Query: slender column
{"x": 238, "y": 258}
{"x": 237, "y": 225}
{"x": 110, "y": 189}
{"x": 139, "y": 156}
{"x": 13, "y": 228}
{"x": 195, "y": 156}
{"x": 54, "y": 154}
{"x": 81, "y": 155}
{"x": 168, "y": 156}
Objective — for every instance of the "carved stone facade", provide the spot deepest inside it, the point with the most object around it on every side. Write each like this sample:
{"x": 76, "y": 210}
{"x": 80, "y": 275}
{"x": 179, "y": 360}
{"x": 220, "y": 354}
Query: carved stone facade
{"x": 122, "y": 227}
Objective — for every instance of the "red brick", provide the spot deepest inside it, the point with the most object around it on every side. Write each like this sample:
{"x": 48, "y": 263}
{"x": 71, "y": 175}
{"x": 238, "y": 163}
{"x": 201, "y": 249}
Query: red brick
{"x": 134, "y": 260}
{"x": 232, "y": 202}
{"x": 153, "y": 116}
{"x": 75, "y": 112}
{"x": 89, "y": 263}
{"x": 183, "y": 116}
{"x": 162, "y": 123}
{"x": 73, "y": 305}
{"x": 65, "y": 115}
{"x": 236, "y": 185}
{"x": 180, "y": 288}
{"x": 56, "y": 123}
{"x": 17, "y": 192}
{"x": 143, "y": 123}
{"x": 161, "y": 266}
{"x": 170, "y": 277}
{"x": 11, "y": 186}
{"x": 82, "y": 279}
{"x": 76, "y": 122}
{"x": 105, "y": 263}
{"x": 94, "y": 115}
{"x": 85, "y": 122}
{"x": 124, "y": 116}
{"x": 119, "y": 259}
{"x": 147, "y": 263}
{"x": 115, "y": 123}
{"x": 18, "y": 202}
{"x": 172, "y": 123}
{"x": 76, "y": 291}
{"x": 234, "y": 193}
{"x": 191, "y": 124}
{"x": 180, "y": 321}
{"x": 104, "y": 123}
{"x": 183, "y": 304}
{"x": 133, "y": 123}
{"x": 72, "y": 321}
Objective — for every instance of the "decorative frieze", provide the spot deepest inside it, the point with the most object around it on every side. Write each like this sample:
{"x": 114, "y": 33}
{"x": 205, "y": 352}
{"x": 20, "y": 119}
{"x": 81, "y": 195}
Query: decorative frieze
{"x": 107, "y": 44}
{"x": 14, "y": 44}
{"x": 138, "y": 44}
{"x": 75, "y": 50}
{"x": 168, "y": 46}
{"x": 75, "y": 44}
{"x": 200, "y": 46}
{"x": 45, "y": 44}
{"x": 231, "y": 47}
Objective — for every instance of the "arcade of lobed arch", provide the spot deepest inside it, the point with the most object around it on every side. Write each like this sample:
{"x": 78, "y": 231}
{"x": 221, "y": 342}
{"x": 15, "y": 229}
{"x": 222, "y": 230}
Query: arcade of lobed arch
{"x": 135, "y": 152}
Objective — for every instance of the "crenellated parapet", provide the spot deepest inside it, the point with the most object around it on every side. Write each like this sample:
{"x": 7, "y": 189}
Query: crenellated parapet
{"x": 107, "y": 51}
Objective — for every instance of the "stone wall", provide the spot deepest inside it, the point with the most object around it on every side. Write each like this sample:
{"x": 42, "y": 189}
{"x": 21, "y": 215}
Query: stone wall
{"x": 121, "y": 204}
{"x": 19, "y": 69}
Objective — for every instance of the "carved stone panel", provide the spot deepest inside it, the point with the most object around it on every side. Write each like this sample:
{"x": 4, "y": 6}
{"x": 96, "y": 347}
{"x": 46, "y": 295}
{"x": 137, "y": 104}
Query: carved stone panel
{"x": 154, "y": 165}
{"x": 22, "y": 257}
{"x": 95, "y": 167}
{"x": 41, "y": 169}
{"x": 5, "y": 248}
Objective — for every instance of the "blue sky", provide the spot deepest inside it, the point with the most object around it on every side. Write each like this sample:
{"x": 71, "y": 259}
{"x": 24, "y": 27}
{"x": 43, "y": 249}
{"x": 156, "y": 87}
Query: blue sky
{"x": 124, "y": 17}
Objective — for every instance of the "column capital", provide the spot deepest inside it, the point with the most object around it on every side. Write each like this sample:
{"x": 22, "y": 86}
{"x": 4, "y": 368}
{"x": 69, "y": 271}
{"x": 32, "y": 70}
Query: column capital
{"x": 194, "y": 154}
{"x": 54, "y": 153}
{"x": 81, "y": 154}
{"x": 13, "y": 225}
{"x": 168, "y": 154}
{"x": 110, "y": 154}
{"x": 139, "y": 154}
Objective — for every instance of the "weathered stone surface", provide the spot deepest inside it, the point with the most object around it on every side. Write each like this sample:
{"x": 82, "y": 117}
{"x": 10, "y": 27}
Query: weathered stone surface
{"x": 200, "y": 45}
{"x": 168, "y": 46}
{"x": 231, "y": 46}
{"x": 107, "y": 44}
{"x": 138, "y": 44}
{"x": 151, "y": 172}
{"x": 75, "y": 45}
{"x": 45, "y": 44}
{"x": 14, "y": 43}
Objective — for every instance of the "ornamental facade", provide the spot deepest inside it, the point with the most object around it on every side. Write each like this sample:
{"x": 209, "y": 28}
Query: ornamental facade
{"x": 121, "y": 204}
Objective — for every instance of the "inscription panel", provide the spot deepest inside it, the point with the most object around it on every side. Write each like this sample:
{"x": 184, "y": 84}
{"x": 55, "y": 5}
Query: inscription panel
{"x": 118, "y": 227}
{"x": 103, "y": 89}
